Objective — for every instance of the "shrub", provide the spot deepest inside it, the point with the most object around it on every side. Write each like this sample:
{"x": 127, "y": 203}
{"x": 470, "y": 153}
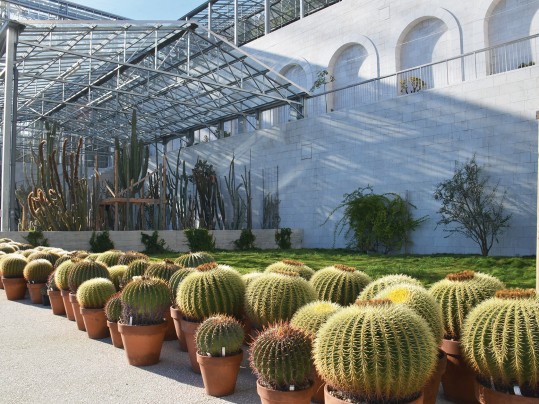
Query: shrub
{"x": 153, "y": 244}
{"x": 101, "y": 242}
{"x": 199, "y": 240}
{"x": 246, "y": 240}
{"x": 282, "y": 238}
{"x": 36, "y": 238}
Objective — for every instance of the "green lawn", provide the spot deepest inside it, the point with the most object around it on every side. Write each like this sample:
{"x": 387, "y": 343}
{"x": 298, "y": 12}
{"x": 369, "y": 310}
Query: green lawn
{"x": 514, "y": 271}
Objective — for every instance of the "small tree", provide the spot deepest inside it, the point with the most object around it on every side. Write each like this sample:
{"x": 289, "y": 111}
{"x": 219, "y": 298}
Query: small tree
{"x": 474, "y": 207}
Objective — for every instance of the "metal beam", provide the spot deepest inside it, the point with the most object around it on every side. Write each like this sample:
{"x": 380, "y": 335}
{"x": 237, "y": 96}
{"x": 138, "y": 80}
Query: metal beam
{"x": 267, "y": 17}
{"x": 236, "y": 20}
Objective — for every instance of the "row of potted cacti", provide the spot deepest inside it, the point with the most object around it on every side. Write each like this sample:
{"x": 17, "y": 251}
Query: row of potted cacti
{"x": 328, "y": 335}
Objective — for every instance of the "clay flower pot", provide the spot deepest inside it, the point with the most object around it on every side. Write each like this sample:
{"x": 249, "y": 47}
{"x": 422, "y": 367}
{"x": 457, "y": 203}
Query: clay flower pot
{"x": 15, "y": 288}
{"x": 76, "y": 311}
{"x": 95, "y": 323}
{"x": 219, "y": 374}
{"x": 430, "y": 391}
{"x": 1, "y": 282}
{"x": 142, "y": 343}
{"x": 57, "y": 304}
{"x": 189, "y": 328}
{"x": 331, "y": 399}
{"x": 67, "y": 305}
{"x": 170, "y": 335}
{"x": 115, "y": 335}
{"x": 176, "y": 315}
{"x": 318, "y": 388}
{"x": 270, "y": 396}
{"x": 458, "y": 380}
{"x": 486, "y": 395}
{"x": 34, "y": 290}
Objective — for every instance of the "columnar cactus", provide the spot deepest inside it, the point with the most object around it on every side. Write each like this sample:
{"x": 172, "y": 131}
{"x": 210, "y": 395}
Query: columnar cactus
{"x": 144, "y": 301}
{"x": 419, "y": 300}
{"x": 94, "y": 293}
{"x": 274, "y": 297}
{"x": 109, "y": 258}
{"x": 501, "y": 340}
{"x": 135, "y": 268}
{"x": 61, "y": 274}
{"x": 84, "y": 270}
{"x": 130, "y": 256}
{"x": 291, "y": 265}
{"x": 457, "y": 295}
{"x": 211, "y": 290}
{"x": 47, "y": 255}
{"x": 219, "y": 335}
{"x": 376, "y": 350}
{"x": 113, "y": 308}
{"x": 281, "y": 357}
{"x": 373, "y": 288}
{"x": 193, "y": 259}
{"x": 339, "y": 283}
{"x": 162, "y": 270}
{"x": 38, "y": 271}
{"x": 313, "y": 315}
{"x": 13, "y": 266}
{"x": 116, "y": 273}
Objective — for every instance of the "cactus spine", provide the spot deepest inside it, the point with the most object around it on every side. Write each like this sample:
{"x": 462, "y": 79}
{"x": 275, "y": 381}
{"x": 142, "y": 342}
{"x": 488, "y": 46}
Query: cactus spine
{"x": 94, "y": 293}
{"x": 313, "y": 315}
{"x": 291, "y": 265}
{"x": 194, "y": 259}
{"x": 373, "y": 288}
{"x": 144, "y": 301}
{"x": 113, "y": 308}
{"x": 339, "y": 283}
{"x": 218, "y": 332}
{"x": 84, "y": 270}
{"x": 38, "y": 271}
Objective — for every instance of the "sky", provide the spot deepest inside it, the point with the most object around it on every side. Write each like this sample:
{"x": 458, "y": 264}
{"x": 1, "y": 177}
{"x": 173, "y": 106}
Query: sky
{"x": 144, "y": 9}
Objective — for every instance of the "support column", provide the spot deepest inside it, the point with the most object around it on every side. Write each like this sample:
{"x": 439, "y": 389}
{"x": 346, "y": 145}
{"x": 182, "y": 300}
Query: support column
{"x": 267, "y": 17}
{"x": 236, "y": 19}
{"x": 8, "y": 132}
{"x": 209, "y": 19}
{"x": 301, "y": 8}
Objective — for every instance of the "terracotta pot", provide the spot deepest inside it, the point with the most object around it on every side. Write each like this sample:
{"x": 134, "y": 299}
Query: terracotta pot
{"x": 189, "y": 328}
{"x": 34, "y": 289}
{"x": 486, "y": 395}
{"x": 45, "y": 301}
{"x": 67, "y": 305}
{"x": 1, "y": 282}
{"x": 142, "y": 343}
{"x": 95, "y": 323}
{"x": 15, "y": 288}
{"x": 318, "y": 388}
{"x": 76, "y": 312}
{"x": 331, "y": 399}
{"x": 430, "y": 391}
{"x": 270, "y": 396}
{"x": 170, "y": 335}
{"x": 220, "y": 374}
{"x": 115, "y": 335}
{"x": 57, "y": 304}
{"x": 176, "y": 315}
{"x": 458, "y": 379}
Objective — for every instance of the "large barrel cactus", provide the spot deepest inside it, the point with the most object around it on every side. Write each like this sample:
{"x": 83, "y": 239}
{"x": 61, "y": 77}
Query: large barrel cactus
{"x": 373, "y": 288}
{"x": 219, "y": 335}
{"x": 94, "y": 293}
{"x": 501, "y": 340}
{"x": 50, "y": 256}
{"x": 144, "y": 301}
{"x": 458, "y": 294}
{"x": 339, "y": 283}
{"x": 135, "y": 268}
{"x": 375, "y": 351}
{"x": 116, "y": 273}
{"x": 130, "y": 256}
{"x": 62, "y": 259}
{"x": 251, "y": 276}
{"x": 61, "y": 274}
{"x": 13, "y": 265}
{"x": 84, "y": 270}
{"x": 313, "y": 315}
{"x": 176, "y": 279}
{"x": 281, "y": 357}
{"x": 113, "y": 307}
{"x": 162, "y": 270}
{"x": 38, "y": 271}
{"x": 109, "y": 258}
{"x": 193, "y": 259}
{"x": 291, "y": 265}
{"x": 274, "y": 297}
{"x": 211, "y": 290}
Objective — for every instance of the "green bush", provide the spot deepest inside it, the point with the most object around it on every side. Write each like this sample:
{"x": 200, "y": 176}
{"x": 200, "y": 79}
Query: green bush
{"x": 36, "y": 238}
{"x": 246, "y": 240}
{"x": 153, "y": 244}
{"x": 282, "y": 238}
{"x": 101, "y": 242}
{"x": 199, "y": 240}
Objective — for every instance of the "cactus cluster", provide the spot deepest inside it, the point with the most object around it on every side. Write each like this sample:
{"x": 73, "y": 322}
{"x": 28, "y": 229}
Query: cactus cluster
{"x": 113, "y": 308}
{"x": 501, "y": 340}
{"x": 144, "y": 301}
{"x": 339, "y": 283}
{"x": 38, "y": 271}
{"x": 13, "y": 265}
{"x": 373, "y": 288}
{"x": 211, "y": 289}
{"x": 375, "y": 351}
{"x": 219, "y": 334}
{"x": 84, "y": 270}
{"x": 458, "y": 294}
{"x": 109, "y": 258}
{"x": 291, "y": 265}
{"x": 162, "y": 270}
{"x": 313, "y": 315}
{"x": 274, "y": 297}
{"x": 130, "y": 256}
{"x": 193, "y": 259}
{"x": 94, "y": 293}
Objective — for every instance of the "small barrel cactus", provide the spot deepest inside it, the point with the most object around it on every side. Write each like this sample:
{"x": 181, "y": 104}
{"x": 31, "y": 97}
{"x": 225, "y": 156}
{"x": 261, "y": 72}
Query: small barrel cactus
{"x": 162, "y": 270}
{"x": 457, "y": 295}
{"x": 130, "y": 256}
{"x": 176, "y": 279}
{"x": 38, "y": 271}
{"x": 13, "y": 265}
{"x": 219, "y": 336}
{"x": 62, "y": 259}
{"x": 291, "y": 265}
{"x": 339, "y": 283}
{"x": 113, "y": 308}
{"x": 93, "y": 256}
{"x": 8, "y": 249}
{"x": 94, "y": 293}
{"x": 501, "y": 340}
{"x": 274, "y": 297}
{"x": 47, "y": 255}
{"x": 116, "y": 273}
{"x": 135, "y": 268}
{"x": 419, "y": 300}
{"x": 144, "y": 301}
{"x": 281, "y": 357}
{"x": 193, "y": 259}
{"x": 84, "y": 270}
{"x": 211, "y": 290}
{"x": 313, "y": 315}
{"x": 109, "y": 258}
{"x": 61, "y": 274}
{"x": 375, "y": 350}
{"x": 373, "y": 288}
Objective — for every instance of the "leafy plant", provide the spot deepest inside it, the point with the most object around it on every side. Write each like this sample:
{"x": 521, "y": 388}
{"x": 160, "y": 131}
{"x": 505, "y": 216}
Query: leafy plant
{"x": 153, "y": 244}
{"x": 322, "y": 80}
{"x": 526, "y": 64}
{"x": 475, "y": 208}
{"x": 101, "y": 242}
{"x": 246, "y": 240}
{"x": 412, "y": 85}
{"x": 36, "y": 238}
{"x": 376, "y": 222}
{"x": 282, "y": 238}
{"x": 200, "y": 239}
